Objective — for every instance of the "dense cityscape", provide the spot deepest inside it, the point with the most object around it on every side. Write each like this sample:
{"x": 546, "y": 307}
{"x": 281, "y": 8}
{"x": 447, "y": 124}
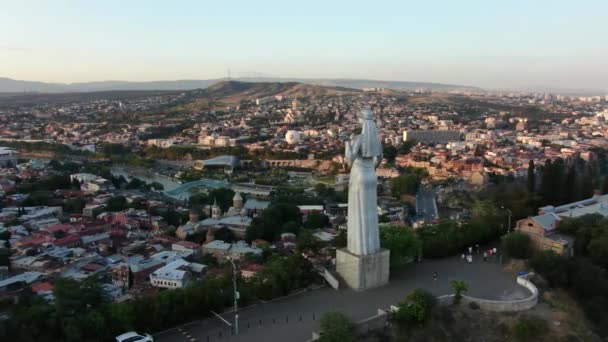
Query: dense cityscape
{"x": 322, "y": 171}
{"x": 139, "y": 196}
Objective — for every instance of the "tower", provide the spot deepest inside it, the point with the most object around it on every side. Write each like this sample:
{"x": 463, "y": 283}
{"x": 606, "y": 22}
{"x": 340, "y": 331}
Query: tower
{"x": 237, "y": 201}
{"x": 216, "y": 211}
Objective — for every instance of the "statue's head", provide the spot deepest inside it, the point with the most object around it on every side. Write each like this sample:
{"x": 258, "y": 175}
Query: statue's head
{"x": 365, "y": 114}
{"x": 370, "y": 140}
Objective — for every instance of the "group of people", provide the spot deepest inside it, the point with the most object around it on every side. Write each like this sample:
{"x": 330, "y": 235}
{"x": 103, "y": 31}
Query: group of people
{"x": 468, "y": 257}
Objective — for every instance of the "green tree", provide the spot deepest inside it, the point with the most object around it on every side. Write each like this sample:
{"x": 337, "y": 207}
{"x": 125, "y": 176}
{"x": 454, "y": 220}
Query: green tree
{"x": 316, "y": 220}
{"x": 529, "y": 328}
{"x": 223, "y": 196}
{"x": 198, "y": 200}
{"x": 551, "y": 266}
{"x": 136, "y": 183}
{"x": 517, "y": 245}
{"x": 118, "y": 203}
{"x": 323, "y": 190}
{"x": 403, "y": 243}
{"x": 598, "y": 249}
{"x": 307, "y": 241}
{"x": 405, "y": 184}
{"x": 531, "y": 177}
{"x": 459, "y": 287}
{"x": 157, "y": 186}
{"x": 605, "y": 186}
{"x": 390, "y": 153}
{"x": 442, "y": 239}
{"x": 336, "y": 327}
{"x": 5, "y": 255}
{"x": 416, "y": 308}
{"x": 74, "y": 205}
{"x": 284, "y": 274}
{"x": 269, "y": 225}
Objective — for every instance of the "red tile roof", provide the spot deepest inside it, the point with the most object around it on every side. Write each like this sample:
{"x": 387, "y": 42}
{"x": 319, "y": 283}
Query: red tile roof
{"x": 57, "y": 228}
{"x": 67, "y": 240}
{"x": 44, "y": 286}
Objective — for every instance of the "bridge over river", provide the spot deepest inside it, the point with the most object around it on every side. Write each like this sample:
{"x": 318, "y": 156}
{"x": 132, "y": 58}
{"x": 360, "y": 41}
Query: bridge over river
{"x": 183, "y": 190}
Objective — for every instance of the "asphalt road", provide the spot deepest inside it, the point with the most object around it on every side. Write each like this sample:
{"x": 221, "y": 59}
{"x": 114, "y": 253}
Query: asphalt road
{"x": 294, "y": 318}
{"x": 426, "y": 204}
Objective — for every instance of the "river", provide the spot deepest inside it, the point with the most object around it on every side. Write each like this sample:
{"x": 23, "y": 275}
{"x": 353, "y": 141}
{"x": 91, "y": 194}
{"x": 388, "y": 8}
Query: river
{"x": 145, "y": 175}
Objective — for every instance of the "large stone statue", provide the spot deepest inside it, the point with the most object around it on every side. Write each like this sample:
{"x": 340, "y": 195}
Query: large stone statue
{"x": 363, "y": 153}
{"x": 363, "y": 264}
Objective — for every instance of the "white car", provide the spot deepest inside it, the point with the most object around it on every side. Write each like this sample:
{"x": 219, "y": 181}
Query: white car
{"x": 133, "y": 336}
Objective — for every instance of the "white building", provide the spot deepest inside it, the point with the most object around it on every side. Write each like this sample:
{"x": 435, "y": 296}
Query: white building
{"x": 174, "y": 275}
{"x": 8, "y": 157}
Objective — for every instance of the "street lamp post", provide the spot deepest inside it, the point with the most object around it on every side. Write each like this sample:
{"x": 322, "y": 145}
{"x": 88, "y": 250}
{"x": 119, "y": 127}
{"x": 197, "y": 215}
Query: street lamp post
{"x": 236, "y": 297}
{"x": 510, "y": 214}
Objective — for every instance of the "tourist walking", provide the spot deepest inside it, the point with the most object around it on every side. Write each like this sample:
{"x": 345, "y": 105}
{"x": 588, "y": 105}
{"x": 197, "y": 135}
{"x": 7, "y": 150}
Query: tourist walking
{"x": 485, "y": 256}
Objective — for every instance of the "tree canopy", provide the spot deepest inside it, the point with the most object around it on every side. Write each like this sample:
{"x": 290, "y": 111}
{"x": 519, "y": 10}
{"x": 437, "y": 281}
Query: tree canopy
{"x": 336, "y": 327}
{"x": 404, "y": 244}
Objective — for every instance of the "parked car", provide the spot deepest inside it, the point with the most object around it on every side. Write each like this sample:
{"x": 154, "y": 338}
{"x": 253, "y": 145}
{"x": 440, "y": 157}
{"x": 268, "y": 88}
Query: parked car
{"x": 133, "y": 336}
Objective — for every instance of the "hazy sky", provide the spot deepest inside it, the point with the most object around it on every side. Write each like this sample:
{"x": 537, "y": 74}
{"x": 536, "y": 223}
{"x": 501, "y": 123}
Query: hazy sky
{"x": 508, "y": 43}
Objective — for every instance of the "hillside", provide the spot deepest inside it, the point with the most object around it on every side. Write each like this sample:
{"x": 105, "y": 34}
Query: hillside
{"x": 231, "y": 93}
{"x": 8, "y": 100}
{"x": 8, "y": 85}
{"x": 253, "y": 90}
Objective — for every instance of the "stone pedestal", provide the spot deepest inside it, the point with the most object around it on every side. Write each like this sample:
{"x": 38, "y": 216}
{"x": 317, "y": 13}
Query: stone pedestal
{"x": 363, "y": 272}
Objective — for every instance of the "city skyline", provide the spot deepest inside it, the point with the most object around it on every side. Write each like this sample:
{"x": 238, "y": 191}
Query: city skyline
{"x": 518, "y": 45}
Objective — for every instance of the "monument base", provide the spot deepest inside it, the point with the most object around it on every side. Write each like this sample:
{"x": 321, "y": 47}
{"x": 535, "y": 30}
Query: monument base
{"x": 363, "y": 272}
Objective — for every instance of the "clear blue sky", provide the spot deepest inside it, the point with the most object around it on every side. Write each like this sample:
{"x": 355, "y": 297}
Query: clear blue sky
{"x": 509, "y": 43}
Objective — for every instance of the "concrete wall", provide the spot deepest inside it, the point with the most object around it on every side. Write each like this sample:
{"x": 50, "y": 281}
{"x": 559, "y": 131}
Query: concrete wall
{"x": 330, "y": 278}
{"x": 372, "y": 323}
{"x": 498, "y": 305}
{"x": 363, "y": 272}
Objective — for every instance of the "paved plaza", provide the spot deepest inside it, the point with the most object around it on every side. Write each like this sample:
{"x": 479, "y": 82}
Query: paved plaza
{"x": 294, "y": 318}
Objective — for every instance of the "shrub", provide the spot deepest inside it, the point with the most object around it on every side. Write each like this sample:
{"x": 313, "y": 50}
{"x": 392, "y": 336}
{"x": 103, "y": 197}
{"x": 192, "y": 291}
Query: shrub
{"x": 517, "y": 245}
{"x": 551, "y": 266}
{"x": 336, "y": 327}
{"x": 459, "y": 287}
{"x": 417, "y": 307}
{"x": 403, "y": 243}
{"x": 473, "y": 306}
{"x": 529, "y": 328}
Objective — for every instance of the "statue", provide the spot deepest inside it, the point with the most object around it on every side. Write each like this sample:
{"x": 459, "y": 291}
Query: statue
{"x": 363, "y": 264}
{"x": 363, "y": 153}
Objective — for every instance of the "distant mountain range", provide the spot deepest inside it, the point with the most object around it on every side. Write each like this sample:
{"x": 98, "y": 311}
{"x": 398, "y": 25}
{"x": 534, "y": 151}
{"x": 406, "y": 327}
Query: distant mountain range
{"x": 8, "y": 85}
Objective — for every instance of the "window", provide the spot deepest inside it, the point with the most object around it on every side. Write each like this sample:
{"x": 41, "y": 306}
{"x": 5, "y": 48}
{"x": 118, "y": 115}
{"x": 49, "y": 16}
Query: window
{"x": 530, "y": 224}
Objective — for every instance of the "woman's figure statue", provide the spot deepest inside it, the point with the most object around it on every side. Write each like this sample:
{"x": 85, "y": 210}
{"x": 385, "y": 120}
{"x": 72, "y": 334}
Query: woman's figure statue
{"x": 363, "y": 153}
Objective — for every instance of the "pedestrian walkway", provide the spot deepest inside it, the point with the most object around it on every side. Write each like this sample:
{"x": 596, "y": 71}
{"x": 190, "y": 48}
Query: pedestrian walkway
{"x": 293, "y": 319}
